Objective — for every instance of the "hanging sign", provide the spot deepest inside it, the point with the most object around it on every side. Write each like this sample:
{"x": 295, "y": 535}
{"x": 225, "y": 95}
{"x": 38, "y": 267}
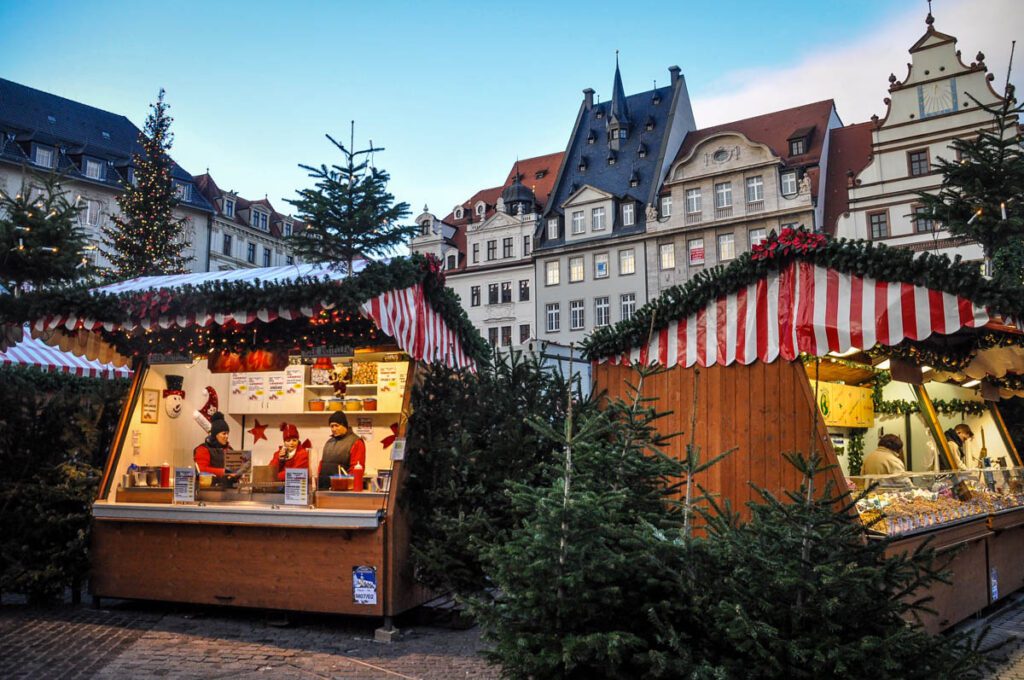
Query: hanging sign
{"x": 296, "y": 486}
{"x": 184, "y": 485}
{"x": 364, "y": 585}
{"x": 364, "y": 428}
{"x": 398, "y": 450}
{"x": 845, "y": 405}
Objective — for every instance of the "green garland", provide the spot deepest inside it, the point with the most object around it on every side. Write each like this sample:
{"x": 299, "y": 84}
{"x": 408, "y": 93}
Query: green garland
{"x": 855, "y": 449}
{"x": 858, "y": 258}
{"x": 231, "y": 296}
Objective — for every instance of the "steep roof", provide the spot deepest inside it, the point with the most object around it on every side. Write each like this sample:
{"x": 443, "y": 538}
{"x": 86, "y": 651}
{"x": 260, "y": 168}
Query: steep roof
{"x": 35, "y": 116}
{"x": 775, "y": 131}
{"x": 208, "y": 186}
{"x": 538, "y": 173}
{"x": 849, "y": 152}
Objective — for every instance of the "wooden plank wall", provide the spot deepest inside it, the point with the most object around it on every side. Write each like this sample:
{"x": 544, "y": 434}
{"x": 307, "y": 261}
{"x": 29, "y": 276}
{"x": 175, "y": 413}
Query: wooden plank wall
{"x": 763, "y": 409}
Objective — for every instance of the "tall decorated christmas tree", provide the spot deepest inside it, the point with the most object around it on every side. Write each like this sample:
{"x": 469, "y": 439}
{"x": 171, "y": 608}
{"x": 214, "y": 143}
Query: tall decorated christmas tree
{"x": 982, "y": 191}
{"x": 349, "y": 212}
{"x": 40, "y": 238}
{"x": 146, "y": 239}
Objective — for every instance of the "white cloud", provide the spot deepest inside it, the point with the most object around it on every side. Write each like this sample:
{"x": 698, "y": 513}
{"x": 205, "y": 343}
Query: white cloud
{"x": 855, "y": 72}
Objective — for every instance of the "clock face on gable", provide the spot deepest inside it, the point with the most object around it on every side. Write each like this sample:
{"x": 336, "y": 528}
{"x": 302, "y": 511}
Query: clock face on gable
{"x": 936, "y": 98}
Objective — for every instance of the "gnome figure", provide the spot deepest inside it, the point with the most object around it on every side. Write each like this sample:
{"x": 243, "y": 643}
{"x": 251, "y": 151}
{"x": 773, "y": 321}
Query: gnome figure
{"x": 174, "y": 396}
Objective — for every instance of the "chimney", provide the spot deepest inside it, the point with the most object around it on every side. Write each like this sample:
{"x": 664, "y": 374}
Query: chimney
{"x": 674, "y": 72}
{"x": 588, "y": 98}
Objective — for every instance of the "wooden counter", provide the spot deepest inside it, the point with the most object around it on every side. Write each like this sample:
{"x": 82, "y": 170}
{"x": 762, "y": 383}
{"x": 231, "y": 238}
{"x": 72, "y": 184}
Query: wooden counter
{"x": 351, "y": 500}
{"x": 968, "y": 591}
{"x": 1005, "y": 552}
{"x": 144, "y": 494}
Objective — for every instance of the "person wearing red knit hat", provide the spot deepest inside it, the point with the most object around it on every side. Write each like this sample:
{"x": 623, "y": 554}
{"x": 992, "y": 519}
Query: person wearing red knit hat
{"x": 290, "y": 455}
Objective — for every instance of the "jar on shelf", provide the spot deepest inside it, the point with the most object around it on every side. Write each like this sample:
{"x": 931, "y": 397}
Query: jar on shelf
{"x": 320, "y": 373}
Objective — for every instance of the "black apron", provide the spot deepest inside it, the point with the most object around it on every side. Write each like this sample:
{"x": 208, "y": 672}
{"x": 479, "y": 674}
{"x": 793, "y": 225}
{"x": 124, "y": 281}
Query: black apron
{"x": 216, "y": 452}
{"x": 340, "y": 454}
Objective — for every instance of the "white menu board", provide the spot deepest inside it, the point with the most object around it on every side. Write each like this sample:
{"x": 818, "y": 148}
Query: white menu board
{"x": 184, "y": 485}
{"x": 391, "y": 377}
{"x": 272, "y": 392}
{"x": 296, "y": 486}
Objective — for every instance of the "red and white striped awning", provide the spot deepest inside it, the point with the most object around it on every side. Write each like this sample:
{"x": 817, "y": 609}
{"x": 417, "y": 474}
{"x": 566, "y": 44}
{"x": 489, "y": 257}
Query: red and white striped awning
{"x": 808, "y": 309}
{"x": 33, "y": 352}
{"x": 407, "y": 317}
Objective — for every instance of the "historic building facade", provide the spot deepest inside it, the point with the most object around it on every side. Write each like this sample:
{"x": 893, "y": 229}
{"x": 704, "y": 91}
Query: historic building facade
{"x": 590, "y": 256}
{"x": 92, "y": 149}
{"x": 877, "y": 168}
{"x": 732, "y": 184}
{"x": 246, "y": 234}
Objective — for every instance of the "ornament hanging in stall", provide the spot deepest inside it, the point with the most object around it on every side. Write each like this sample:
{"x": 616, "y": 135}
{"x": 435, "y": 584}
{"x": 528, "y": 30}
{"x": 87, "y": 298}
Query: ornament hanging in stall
{"x": 258, "y": 432}
{"x": 204, "y": 414}
{"x": 174, "y": 395}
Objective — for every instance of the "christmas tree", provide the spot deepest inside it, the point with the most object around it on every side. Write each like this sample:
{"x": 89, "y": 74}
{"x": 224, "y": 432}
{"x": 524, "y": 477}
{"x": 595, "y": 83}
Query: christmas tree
{"x": 40, "y": 236}
{"x": 349, "y": 212}
{"x": 146, "y": 239}
{"x": 982, "y": 192}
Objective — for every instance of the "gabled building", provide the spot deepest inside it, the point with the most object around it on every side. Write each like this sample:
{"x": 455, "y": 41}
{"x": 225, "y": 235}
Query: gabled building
{"x": 486, "y": 244}
{"x": 883, "y": 164}
{"x": 589, "y": 255}
{"x": 732, "y": 184}
{"x": 246, "y": 233}
{"x": 93, "y": 149}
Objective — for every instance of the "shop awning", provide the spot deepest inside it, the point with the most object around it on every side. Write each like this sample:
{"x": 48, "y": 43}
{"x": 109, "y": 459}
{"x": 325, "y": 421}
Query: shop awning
{"x": 35, "y": 353}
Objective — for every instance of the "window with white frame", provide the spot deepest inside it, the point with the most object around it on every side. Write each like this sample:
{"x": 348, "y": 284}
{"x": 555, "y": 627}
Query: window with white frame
{"x": 666, "y": 206}
{"x": 459, "y": 213}
{"x": 250, "y": 253}
{"x": 602, "y": 311}
{"x": 755, "y": 236}
{"x": 492, "y": 293}
{"x": 93, "y": 169}
{"x": 226, "y": 245}
{"x": 183, "y": 192}
{"x": 474, "y": 296}
{"x": 524, "y": 332}
{"x": 506, "y": 292}
{"x": 578, "y": 226}
{"x": 92, "y": 212}
{"x": 695, "y": 251}
{"x": 453, "y": 261}
{"x": 600, "y": 265}
{"x": 289, "y": 259}
{"x": 480, "y": 209}
{"x": 551, "y": 273}
{"x": 575, "y": 269}
{"x": 726, "y": 247}
{"x": 476, "y": 253}
{"x": 43, "y": 156}
{"x": 667, "y": 256}
{"x": 552, "y": 314}
{"x": 492, "y": 336}
{"x": 527, "y": 245}
{"x": 627, "y": 262}
{"x": 597, "y": 219}
{"x": 723, "y": 195}
{"x": 287, "y": 228}
{"x": 506, "y": 336}
{"x": 576, "y": 315}
{"x": 628, "y": 214}
{"x": 789, "y": 183}
{"x": 266, "y": 257}
{"x": 627, "y": 306}
{"x": 229, "y": 207}
{"x": 552, "y": 228}
{"x": 507, "y": 247}
{"x": 755, "y": 189}
{"x": 524, "y": 290}
{"x": 693, "y": 201}
{"x": 492, "y": 250}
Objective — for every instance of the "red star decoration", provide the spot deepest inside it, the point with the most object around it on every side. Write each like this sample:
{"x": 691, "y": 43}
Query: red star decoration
{"x": 257, "y": 432}
{"x": 389, "y": 440}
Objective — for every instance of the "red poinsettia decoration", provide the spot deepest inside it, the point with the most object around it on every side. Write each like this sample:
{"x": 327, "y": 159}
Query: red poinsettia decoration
{"x": 150, "y": 305}
{"x": 434, "y": 268}
{"x": 790, "y": 242}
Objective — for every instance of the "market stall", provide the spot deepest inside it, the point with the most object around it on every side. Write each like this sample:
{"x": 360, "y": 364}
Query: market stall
{"x": 873, "y": 357}
{"x": 258, "y": 461}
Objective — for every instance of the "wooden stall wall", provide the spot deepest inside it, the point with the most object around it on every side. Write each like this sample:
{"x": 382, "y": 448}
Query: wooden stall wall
{"x": 762, "y": 409}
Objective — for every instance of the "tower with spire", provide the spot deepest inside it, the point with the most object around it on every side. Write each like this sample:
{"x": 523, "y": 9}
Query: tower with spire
{"x": 618, "y": 113}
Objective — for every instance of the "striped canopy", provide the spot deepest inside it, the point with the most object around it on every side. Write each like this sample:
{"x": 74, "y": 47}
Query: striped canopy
{"x": 805, "y": 308}
{"x": 33, "y": 352}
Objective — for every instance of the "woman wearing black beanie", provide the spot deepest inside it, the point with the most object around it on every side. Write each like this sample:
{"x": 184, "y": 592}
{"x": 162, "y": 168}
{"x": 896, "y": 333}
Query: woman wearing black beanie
{"x": 209, "y": 456}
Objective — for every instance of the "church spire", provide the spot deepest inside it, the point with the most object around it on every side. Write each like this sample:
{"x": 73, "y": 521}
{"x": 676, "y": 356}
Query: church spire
{"x": 619, "y": 113}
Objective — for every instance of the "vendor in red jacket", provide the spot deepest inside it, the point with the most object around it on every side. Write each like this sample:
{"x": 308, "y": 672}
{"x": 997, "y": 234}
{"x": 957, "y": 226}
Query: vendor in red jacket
{"x": 291, "y": 455}
{"x": 209, "y": 456}
{"x": 344, "y": 448}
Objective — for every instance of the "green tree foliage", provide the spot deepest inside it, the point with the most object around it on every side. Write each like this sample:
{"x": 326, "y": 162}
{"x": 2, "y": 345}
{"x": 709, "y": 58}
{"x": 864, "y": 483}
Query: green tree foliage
{"x": 349, "y": 212}
{"x": 982, "y": 193}
{"x": 54, "y": 435}
{"x": 41, "y": 241}
{"x": 146, "y": 239}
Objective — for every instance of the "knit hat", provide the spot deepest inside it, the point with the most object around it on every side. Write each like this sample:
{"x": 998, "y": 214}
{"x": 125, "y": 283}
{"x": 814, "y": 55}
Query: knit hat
{"x": 218, "y": 424}
{"x": 338, "y": 417}
{"x": 289, "y": 431}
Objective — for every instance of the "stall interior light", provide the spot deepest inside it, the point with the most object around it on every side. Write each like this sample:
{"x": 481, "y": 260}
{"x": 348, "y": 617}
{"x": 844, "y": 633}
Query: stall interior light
{"x": 884, "y": 365}
{"x": 972, "y": 383}
{"x": 849, "y": 352}
{"x": 925, "y": 369}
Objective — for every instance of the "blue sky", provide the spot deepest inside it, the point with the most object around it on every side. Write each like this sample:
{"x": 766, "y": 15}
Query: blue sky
{"x": 455, "y": 90}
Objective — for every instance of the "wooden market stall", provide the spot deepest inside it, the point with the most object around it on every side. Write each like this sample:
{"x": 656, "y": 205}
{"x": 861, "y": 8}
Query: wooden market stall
{"x": 809, "y": 344}
{"x": 263, "y": 347}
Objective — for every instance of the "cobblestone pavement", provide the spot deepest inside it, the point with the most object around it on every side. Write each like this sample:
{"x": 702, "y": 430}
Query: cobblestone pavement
{"x": 130, "y": 640}
{"x": 1007, "y": 625}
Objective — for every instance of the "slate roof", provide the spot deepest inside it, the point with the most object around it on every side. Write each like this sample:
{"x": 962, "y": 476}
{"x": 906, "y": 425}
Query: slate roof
{"x": 848, "y": 152}
{"x": 74, "y": 129}
{"x": 213, "y": 193}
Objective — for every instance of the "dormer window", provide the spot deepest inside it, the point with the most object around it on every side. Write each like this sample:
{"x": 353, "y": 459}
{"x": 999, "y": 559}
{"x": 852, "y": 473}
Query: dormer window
{"x": 797, "y": 147}
{"x": 591, "y": 138}
{"x": 259, "y": 220}
{"x": 552, "y": 228}
{"x": 599, "y": 113}
{"x": 106, "y": 135}
{"x": 656, "y": 99}
{"x": 583, "y": 165}
{"x": 634, "y": 180}
{"x": 92, "y": 169}
{"x": 458, "y": 213}
{"x": 52, "y": 120}
{"x": 425, "y": 228}
{"x": 182, "y": 191}
{"x": 611, "y": 159}
{"x": 481, "y": 208}
{"x": 800, "y": 141}
{"x": 229, "y": 207}
{"x": 649, "y": 125}
{"x": 287, "y": 228}
{"x": 43, "y": 156}
{"x": 540, "y": 174}
{"x": 642, "y": 151}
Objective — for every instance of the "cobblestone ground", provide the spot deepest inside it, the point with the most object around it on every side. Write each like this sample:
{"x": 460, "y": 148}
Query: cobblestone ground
{"x": 1008, "y": 625}
{"x": 130, "y": 640}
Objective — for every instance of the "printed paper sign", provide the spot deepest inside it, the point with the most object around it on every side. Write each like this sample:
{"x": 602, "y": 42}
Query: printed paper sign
{"x": 296, "y": 486}
{"x": 184, "y": 485}
{"x": 364, "y": 585}
{"x": 398, "y": 450}
{"x": 364, "y": 428}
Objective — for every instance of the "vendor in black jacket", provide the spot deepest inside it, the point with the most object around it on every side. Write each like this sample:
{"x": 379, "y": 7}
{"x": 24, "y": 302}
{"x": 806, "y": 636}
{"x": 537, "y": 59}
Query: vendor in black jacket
{"x": 344, "y": 448}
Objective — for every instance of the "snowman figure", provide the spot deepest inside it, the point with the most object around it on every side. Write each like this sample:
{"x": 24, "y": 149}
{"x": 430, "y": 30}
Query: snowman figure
{"x": 174, "y": 396}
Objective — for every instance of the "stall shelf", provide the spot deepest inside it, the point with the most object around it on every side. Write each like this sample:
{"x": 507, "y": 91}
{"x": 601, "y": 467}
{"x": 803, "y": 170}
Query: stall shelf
{"x": 734, "y": 342}
{"x": 246, "y": 541}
